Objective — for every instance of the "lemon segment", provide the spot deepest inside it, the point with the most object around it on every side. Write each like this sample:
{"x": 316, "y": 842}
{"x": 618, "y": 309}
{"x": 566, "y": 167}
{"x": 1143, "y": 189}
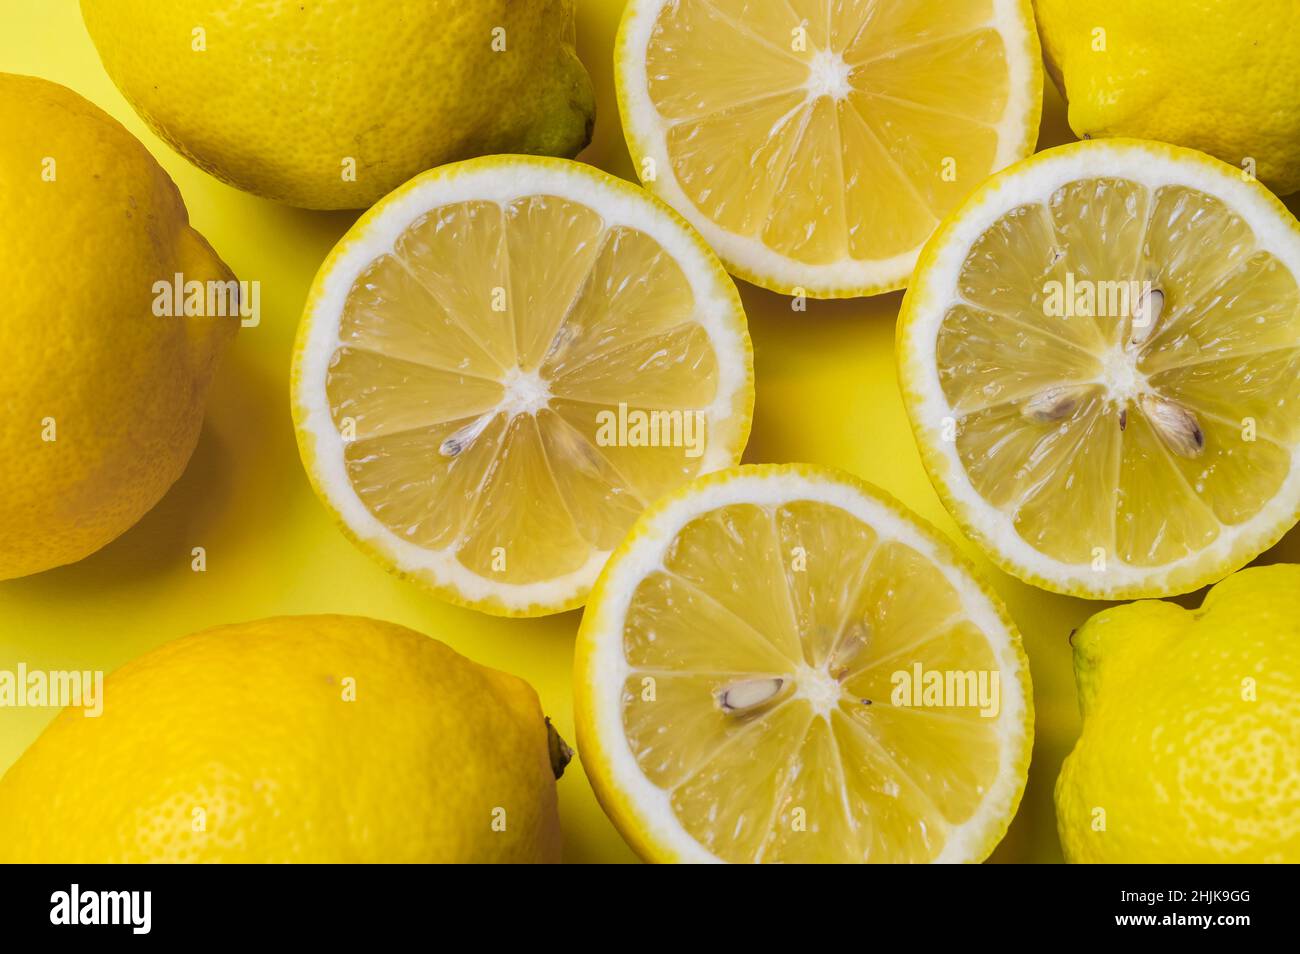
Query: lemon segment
{"x": 738, "y": 674}
{"x": 500, "y": 367}
{"x": 816, "y": 145}
{"x": 1101, "y": 359}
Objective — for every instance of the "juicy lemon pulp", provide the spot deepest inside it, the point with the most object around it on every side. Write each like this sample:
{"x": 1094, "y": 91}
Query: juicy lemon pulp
{"x": 1160, "y": 413}
{"x": 473, "y": 366}
{"x": 762, "y": 658}
{"x": 828, "y": 131}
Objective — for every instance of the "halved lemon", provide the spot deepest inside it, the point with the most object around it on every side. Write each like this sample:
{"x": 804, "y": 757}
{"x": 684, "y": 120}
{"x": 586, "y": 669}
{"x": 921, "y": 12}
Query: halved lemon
{"x": 781, "y": 663}
{"x": 816, "y": 144}
{"x": 502, "y": 363}
{"x": 1100, "y": 354}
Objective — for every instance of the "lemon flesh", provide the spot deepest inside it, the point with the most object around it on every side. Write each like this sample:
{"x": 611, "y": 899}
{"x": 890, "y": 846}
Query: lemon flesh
{"x": 818, "y": 145}
{"x": 737, "y": 676}
{"x": 1116, "y": 351}
{"x": 511, "y": 378}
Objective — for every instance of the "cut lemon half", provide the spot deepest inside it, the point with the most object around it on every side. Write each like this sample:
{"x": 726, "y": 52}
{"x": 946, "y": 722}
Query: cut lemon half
{"x": 1100, "y": 355}
{"x": 502, "y": 363}
{"x": 816, "y": 144}
{"x": 781, "y": 663}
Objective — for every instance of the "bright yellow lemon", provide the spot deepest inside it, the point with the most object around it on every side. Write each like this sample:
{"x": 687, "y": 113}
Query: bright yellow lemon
{"x": 304, "y": 739}
{"x": 816, "y": 145}
{"x": 502, "y": 364}
{"x": 780, "y": 663}
{"x": 104, "y": 381}
{"x": 1100, "y": 355}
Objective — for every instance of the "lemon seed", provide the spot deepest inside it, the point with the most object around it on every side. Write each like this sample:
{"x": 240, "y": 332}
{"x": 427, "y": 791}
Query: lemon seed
{"x": 748, "y": 694}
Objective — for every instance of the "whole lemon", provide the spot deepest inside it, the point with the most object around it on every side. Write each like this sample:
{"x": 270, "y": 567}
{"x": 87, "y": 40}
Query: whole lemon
{"x": 331, "y": 104}
{"x": 1190, "y": 750}
{"x": 296, "y": 739}
{"x": 101, "y": 398}
{"x": 1217, "y": 75}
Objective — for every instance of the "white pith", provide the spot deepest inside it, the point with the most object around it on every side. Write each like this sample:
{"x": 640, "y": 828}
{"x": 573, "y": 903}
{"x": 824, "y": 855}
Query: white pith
{"x": 933, "y": 292}
{"x": 828, "y": 75}
{"x": 1120, "y": 375}
{"x": 647, "y": 137}
{"x": 607, "y": 666}
{"x": 819, "y": 687}
{"x": 503, "y": 180}
{"x": 527, "y": 392}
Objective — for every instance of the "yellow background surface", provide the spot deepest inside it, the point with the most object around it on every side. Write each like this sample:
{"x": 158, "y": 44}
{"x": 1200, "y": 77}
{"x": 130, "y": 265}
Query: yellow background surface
{"x": 827, "y": 393}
